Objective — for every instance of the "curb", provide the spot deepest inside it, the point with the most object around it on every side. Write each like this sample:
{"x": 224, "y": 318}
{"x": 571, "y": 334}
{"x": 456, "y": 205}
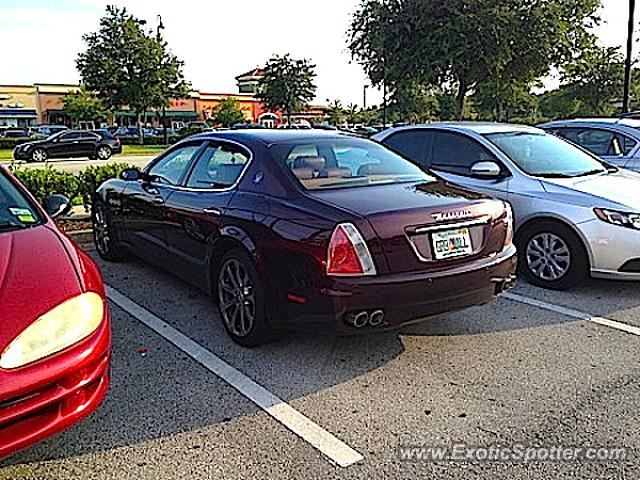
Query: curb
{"x": 81, "y": 236}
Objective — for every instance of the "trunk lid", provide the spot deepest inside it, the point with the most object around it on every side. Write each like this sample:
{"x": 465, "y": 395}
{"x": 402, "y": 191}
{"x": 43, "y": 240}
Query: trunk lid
{"x": 407, "y": 218}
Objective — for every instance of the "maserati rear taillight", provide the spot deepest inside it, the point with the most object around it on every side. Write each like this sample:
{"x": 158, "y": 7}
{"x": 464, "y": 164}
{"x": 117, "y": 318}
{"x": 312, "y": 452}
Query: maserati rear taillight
{"x": 348, "y": 254}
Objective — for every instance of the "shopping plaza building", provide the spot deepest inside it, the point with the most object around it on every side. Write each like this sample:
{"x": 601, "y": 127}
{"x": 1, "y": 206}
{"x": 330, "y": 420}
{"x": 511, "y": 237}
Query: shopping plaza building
{"x": 43, "y": 104}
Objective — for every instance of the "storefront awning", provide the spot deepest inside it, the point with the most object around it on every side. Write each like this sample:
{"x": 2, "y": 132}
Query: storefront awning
{"x": 15, "y": 112}
{"x": 168, "y": 114}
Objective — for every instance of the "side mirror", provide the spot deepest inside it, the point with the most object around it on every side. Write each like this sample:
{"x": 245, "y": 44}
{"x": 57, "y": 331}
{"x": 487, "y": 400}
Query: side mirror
{"x": 131, "y": 174}
{"x": 486, "y": 170}
{"x": 56, "y": 205}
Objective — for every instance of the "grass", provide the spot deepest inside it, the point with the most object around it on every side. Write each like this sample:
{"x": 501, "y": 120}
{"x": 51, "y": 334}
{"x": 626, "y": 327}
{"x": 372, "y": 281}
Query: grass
{"x": 7, "y": 153}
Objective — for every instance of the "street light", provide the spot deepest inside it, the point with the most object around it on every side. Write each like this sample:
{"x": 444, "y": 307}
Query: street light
{"x": 627, "y": 67}
{"x": 364, "y": 97}
{"x": 164, "y": 110}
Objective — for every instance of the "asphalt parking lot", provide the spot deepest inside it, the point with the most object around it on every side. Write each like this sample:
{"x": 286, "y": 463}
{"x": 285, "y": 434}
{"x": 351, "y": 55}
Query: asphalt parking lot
{"x": 544, "y": 372}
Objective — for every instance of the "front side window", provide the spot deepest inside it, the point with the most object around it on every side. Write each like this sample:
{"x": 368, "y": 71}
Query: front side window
{"x": 15, "y": 210}
{"x": 219, "y": 166}
{"x": 545, "y": 155}
{"x": 457, "y": 153}
{"x": 345, "y": 162}
{"x": 172, "y": 167}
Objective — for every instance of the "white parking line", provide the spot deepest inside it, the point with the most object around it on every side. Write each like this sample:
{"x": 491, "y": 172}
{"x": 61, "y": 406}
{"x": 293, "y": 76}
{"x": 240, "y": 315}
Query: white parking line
{"x": 607, "y": 322}
{"x": 336, "y": 450}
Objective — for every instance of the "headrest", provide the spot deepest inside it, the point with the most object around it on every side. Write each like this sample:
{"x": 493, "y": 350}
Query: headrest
{"x": 316, "y": 163}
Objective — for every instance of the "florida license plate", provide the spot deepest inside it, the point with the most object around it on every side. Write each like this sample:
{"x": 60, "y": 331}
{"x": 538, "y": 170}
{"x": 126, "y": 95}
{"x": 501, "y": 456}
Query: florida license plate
{"x": 451, "y": 243}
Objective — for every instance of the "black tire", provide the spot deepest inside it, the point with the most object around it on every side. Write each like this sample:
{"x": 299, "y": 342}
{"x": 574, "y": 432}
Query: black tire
{"x": 103, "y": 152}
{"x": 237, "y": 296}
{"x": 552, "y": 256}
{"x": 103, "y": 235}
{"x": 39, "y": 155}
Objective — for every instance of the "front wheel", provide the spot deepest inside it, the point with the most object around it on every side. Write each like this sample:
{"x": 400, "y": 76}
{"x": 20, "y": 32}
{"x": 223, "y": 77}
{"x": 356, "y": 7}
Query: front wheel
{"x": 552, "y": 256}
{"x": 39, "y": 155}
{"x": 241, "y": 300}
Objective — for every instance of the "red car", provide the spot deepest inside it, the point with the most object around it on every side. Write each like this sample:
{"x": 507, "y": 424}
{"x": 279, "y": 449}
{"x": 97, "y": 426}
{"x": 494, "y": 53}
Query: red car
{"x": 55, "y": 333}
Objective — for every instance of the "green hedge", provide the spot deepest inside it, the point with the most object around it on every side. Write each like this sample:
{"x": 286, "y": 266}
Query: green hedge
{"x": 78, "y": 187}
{"x": 12, "y": 142}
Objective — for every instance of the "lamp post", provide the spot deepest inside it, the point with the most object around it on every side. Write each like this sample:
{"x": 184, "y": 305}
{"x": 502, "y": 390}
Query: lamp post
{"x": 626, "y": 102}
{"x": 364, "y": 97}
{"x": 164, "y": 110}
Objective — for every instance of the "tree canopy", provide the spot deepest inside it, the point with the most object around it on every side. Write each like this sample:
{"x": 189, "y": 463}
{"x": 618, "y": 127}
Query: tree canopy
{"x": 129, "y": 66}
{"x": 468, "y": 45}
{"x": 84, "y": 106}
{"x": 228, "y": 112}
{"x": 288, "y": 84}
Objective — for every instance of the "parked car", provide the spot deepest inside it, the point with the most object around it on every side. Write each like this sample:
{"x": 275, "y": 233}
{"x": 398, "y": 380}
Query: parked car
{"x": 45, "y": 131}
{"x": 66, "y": 144}
{"x": 308, "y": 230}
{"x": 15, "y": 132}
{"x": 575, "y": 215}
{"x": 615, "y": 140}
{"x": 55, "y": 336}
{"x": 134, "y": 132}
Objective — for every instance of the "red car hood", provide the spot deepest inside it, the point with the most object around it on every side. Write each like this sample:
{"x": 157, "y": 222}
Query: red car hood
{"x": 36, "y": 274}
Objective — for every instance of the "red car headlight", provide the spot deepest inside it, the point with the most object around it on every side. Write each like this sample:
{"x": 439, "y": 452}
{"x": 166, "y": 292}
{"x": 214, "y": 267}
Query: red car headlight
{"x": 59, "y": 328}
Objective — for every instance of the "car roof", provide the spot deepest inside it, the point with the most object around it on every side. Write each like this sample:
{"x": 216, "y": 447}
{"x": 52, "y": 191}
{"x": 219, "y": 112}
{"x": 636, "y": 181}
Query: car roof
{"x": 480, "y": 128}
{"x": 271, "y": 136}
{"x": 627, "y": 122}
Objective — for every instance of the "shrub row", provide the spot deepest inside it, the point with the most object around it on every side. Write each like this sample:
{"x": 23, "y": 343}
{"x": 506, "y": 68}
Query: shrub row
{"x": 78, "y": 187}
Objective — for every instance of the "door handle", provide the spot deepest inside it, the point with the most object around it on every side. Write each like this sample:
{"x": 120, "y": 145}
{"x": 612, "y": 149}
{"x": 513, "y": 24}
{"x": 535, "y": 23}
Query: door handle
{"x": 212, "y": 211}
{"x": 158, "y": 200}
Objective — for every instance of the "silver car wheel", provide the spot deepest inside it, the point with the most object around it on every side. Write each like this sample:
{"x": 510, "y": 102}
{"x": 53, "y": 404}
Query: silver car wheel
{"x": 548, "y": 256}
{"x": 104, "y": 153}
{"x": 101, "y": 231}
{"x": 39, "y": 155}
{"x": 237, "y": 298}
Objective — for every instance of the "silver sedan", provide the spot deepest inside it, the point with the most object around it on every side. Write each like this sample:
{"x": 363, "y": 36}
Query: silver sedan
{"x": 575, "y": 216}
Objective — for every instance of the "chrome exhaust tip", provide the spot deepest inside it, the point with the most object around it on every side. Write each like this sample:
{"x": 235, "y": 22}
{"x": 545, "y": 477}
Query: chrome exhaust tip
{"x": 357, "y": 319}
{"x": 376, "y": 318}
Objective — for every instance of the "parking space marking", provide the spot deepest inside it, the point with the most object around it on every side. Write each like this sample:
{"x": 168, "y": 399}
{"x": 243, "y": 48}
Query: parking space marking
{"x": 333, "y": 448}
{"x": 569, "y": 312}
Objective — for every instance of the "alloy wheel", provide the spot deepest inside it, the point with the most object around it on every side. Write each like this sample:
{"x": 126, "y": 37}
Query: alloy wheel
{"x": 548, "y": 256}
{"x": 102, "y": 231}
{"x": 236, "y": 295}
{"x": 39, "y": 155}
{"x": 104, "y": 153}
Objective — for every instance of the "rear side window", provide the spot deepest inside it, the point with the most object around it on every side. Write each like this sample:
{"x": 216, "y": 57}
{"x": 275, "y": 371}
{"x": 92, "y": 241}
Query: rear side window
{"x": 456, "y": 153}
{"x": 411, "y": 144}
{"x": 219, "y": 166}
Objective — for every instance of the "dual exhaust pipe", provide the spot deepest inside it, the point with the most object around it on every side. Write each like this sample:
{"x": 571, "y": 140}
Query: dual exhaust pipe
{"x": 364, "y": 318}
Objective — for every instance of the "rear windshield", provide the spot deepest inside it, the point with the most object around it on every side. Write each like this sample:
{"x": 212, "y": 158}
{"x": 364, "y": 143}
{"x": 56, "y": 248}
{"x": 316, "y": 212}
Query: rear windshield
{"x": 343, "y": 163}
{"x": 15, "y": 210}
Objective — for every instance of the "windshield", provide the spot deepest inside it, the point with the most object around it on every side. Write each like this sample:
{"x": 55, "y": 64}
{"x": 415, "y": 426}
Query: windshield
{"x": 15, "y": 210}
{"x": 341, "y": 163}
{"x": 544, "y": 155}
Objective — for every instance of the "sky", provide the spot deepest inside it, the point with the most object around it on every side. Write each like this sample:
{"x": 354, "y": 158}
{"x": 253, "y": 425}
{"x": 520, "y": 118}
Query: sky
{"x": 217, "y": 39}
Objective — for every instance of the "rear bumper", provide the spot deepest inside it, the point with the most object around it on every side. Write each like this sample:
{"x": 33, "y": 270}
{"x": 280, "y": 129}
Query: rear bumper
{"x": 116, "y": 149}
{"x": 41, "y": 400}
{"x": 403, "y": 298}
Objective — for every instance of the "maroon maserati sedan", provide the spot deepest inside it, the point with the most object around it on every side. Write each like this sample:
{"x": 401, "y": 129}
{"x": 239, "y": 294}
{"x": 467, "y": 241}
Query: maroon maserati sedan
{"x": 308, "y": 230}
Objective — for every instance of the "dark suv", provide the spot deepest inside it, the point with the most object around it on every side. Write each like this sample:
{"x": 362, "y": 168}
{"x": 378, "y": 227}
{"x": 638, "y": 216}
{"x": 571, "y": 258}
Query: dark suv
{"x": 98, "y": 144}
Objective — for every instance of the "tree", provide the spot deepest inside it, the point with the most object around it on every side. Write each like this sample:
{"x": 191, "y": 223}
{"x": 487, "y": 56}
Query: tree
{"x": 592, "y": 85}
{"x": 352, "y": 114}
{"x": 129, "y": 66}
{"x": 462, "y": 44}
{"x": 228, "y": 113}
{"x": 84, "y": 106}
{"x": 288, "y": 84}
{"x": 336, "y": 113}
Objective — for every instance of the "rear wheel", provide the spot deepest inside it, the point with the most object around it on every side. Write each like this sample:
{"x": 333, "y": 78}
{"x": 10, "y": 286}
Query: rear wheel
{"x": 104, "y": 153}
{"x": 103, "y": 235}
{"x": 552, "y": 256}
{"x": 39, "y": 155}
{"x": 241, "y": 300}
